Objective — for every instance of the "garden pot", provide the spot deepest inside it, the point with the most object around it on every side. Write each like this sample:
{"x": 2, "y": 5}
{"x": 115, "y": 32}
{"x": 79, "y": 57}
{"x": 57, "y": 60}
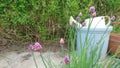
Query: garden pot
{"x": 114, "y": 43}
{"x": 118, "y": 23}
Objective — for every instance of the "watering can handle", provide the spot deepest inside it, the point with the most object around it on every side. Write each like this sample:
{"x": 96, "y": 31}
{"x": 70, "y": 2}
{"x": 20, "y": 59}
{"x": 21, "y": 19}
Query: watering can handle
{"x": 109, "y": 20}
{"x": 74, "y": 21}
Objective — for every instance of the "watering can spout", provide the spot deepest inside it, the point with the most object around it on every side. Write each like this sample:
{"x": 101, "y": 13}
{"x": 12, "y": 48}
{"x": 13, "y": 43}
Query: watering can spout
{"x": 74, "y": 21}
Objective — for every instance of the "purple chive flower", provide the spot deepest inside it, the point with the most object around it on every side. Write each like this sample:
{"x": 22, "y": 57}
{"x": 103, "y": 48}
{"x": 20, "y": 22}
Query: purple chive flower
{"x": 37, "y": 46}
{"x": 77, "y": 18}
{"x": 67, "y": 60}
{"x": 62, "y": 42}
{"x": 112, "y": 18}
{"x": 84, "y": 23}
{"x": 92, "y": 9}
{"x": 80, "y": 14}
{"x": 31, "y": 47}
{"x": 94, "y": 14}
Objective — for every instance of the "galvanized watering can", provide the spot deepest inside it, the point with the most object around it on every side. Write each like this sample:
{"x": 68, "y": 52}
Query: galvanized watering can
{"x": 96, "y": 22}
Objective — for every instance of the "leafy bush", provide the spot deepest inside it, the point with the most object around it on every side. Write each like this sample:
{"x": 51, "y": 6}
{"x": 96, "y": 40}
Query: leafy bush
{"x": 46, "y": 19}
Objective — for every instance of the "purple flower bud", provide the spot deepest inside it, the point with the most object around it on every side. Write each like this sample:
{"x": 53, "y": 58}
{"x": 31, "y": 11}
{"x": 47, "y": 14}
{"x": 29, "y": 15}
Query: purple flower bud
{"x": 80, "y": 14}
{"x": 67, "y": 60}
{"x": 94, "y": 14}
{"x": 84, "y": 23}
{"x": 112, "y": 18}
{"x": 37, "y": 47}
{"x": 92, "y": 9}
{"x": 31, "y": 47}
{"x": 77, "y": 18}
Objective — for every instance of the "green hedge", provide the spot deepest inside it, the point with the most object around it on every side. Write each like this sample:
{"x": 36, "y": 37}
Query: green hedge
{"x": 47, "y": 19}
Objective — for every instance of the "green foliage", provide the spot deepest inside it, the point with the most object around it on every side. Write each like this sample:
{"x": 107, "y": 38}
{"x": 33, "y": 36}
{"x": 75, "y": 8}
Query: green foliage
{"x": 47, "y": 18}
{"x": 116, "y": 28}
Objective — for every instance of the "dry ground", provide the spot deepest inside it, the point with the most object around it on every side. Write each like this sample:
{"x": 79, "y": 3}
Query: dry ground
{"x": 18, "y": 56}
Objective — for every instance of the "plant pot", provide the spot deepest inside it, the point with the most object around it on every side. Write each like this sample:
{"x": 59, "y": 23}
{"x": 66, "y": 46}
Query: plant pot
{"x": 114, "y": 43}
